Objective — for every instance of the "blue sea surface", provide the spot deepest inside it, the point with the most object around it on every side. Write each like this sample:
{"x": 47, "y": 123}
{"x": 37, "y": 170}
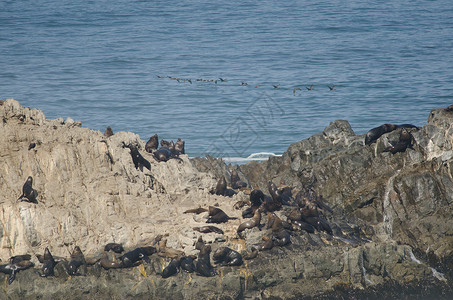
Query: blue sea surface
{"x": 109, "y": 62}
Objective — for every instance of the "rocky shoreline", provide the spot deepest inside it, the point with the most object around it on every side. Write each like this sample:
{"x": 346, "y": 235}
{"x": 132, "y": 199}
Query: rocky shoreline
{"x": 391, "y": 213}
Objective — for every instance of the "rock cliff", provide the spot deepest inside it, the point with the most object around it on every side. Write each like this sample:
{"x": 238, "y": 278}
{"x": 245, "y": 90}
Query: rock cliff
{"x": 397, "y": 207}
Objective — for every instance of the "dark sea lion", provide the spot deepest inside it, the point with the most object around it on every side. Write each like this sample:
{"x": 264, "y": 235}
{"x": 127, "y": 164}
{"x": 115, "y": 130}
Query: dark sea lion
{"x": 236, "y": 182}
{"x": 13, "y": 268}
{"x": 117, "y": 248}
{"x": 108, "y": 132}
{"x": 163, "y": 154}
{"x": 28, "y": 193}
{"x": 106, "y": 263}
{"x": 130, "y": 258}
{"x": 221, "y": 186}
{"x": 375, "y": 133}
{"x": 256, "y": 198}
{"x": 319, "y": 223}
{"x": 31, "y": 146}
{"x": 48, "y": 264}
{"x": 203, "y": 266}
{"x": 138, "y": 159}
{"x": 187, "y": 263}
{"x": 171, "y": 269}
{"x": 274, "y": 222}
{"x": 179, "y": 147}
{"x": 227, "y": 257}
{"x": 405, "y": 141}
{"x": 216, "y": 215}
{"x": 152, "y": 144}
{"x": 253, "y": 222}
{"x": 18, "y": 258}
{"x": 281, "y": 238}
{"x": 208, "y": 229}
{"x": 77, "y": 260}
{"x": 250, "y": 255}
{"x": 166, "y": 144}
{"x": 449, "y": 108}
{"x": 197, "y": 211}
{"x": 199, "y": 243}
{"x": 301, "y": 225}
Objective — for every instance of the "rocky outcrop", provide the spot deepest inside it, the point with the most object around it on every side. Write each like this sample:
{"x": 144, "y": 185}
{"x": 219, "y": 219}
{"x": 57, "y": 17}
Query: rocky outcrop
{"x": 391, "y": 213}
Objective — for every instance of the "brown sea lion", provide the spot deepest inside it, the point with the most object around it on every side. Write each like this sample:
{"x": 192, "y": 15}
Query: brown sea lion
{"x": 253, "y": 222}
{"x": 106, "y": 263}
{"x": 208, "y": 229}
{"x": 267, "y": 245}
{"x": 227, "y": 257}
{"x": 179, "y": 147}
{"x": 203, "y": 266}
{"x": 172, "y": 268}
{"x": 405, "y": 141}
{"x": 236, "y": 182}
{"x": 187, "y": 263}
{"x": 216, "y": 215}
{"x": 108, "y": 132}
{"x": 164, "y": 251}
{"x": 152, "y": 144}
{"x": 197, "y": 211}
{"x": 221, "y": 186}
{"x": 77, "y": 260}
{"x": 28, "y": 193}
{"x": 250, "y": 255}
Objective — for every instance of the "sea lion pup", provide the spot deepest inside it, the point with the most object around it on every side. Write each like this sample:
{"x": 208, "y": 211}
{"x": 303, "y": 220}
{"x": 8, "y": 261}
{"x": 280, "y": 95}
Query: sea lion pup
{"x": 405, "y": 141}
{"x": 227, "y": 257}
{"x": 14, "y": 266}
{"x": 138, "y": 159}
{"x": 256, "y": 199}
{"x": 28, "y": 193}
{"x": 236, "y": 182}
{"x": 179, "y": 147}
{"x": 164, "y": 251}
{"x": 77, "y": 260}
{"x": 267, "y": 245}
{"x": 187, "y": 263}
{"x": 106, "y": 263}
{"x": 375, "y": 133}
{"x": 250, "y": 255}
{"x": 117, "y": 248}
{"x": 130, "y": 258}
{"x": 48, "y": 264}
{"x": 152, "y": 144}
{"x": 253, "y": 222}
{"x": 281, "y": 238}
{"x": 197, "y": 211}
{"x": 108, "y": 132}
{"x": 208, "y": 229}
{"x": 203, "y": 266}
{"x": 216, "y": 215}
{"x": 172, "y": 268}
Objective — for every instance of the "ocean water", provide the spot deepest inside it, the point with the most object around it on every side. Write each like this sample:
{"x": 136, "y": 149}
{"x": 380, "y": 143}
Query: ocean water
{"x": 110, "y": 62}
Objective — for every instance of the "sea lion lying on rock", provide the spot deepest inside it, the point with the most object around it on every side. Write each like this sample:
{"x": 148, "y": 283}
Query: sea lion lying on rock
{"x": 227, "y": 257}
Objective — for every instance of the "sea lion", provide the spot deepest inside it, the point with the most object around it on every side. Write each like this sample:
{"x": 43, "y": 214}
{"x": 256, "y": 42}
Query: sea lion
{"x": 108, "y": 132}
{"x": 267, "y": 245}
{"x": 117, "y": 248}
{"x": 48, "y": 264}
{"x": 31, "y": 146}
{"x": 77, "y": 260}
{"x": 274, "y": 222}
{"x": 172, "y": 268}
{"x": 208, "y": 229}
{"x": 28, "y": 193}
{"x": 449, "y": 108}
{"x": 179, "y": 147}
{"x": 138, "y": 159}
{"x": 227, "y": 257}
{"x": 18, "y": 258}
{"x": 216, "y": 215}
{"x": 166, "y": 144}
{"x": 13, "y": 268}
{"x": 152, "y": 144}
{"x": 281, "y": 238}
{"x": 164, "y": 251}
{"x": 221, "y": 186}
{"x": 375, "y": 133}
{"x": 319, "y": 223}
{"x": 236, "y": 182}
{"x": 405, "y": 141}
{"x": 130, "y": 258}
{"x": 163, "y": 154}
{"x": 250, "y": 255}
{"x": 106, "y": 263}
{"x": 301, "y": 225}
{"x": 197, "y": 211}
{"x": 199, "y": 243}
{"x": 241, "y": 203}
{"x": 253, "y": 222}
{"x": 187, "y": 263}
{"x": 203, "y": 266}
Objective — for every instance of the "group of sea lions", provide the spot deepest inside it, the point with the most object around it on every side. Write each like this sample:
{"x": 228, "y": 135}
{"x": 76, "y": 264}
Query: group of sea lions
{"x": 406, "y": 140}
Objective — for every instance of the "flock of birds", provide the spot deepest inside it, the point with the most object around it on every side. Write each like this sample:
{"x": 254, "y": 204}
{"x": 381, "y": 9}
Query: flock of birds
{"x": 243, "y": 83}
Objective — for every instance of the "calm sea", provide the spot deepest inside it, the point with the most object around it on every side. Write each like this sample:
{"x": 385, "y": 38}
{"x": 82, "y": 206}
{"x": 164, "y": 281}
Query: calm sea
{"x": 101, "y": 62}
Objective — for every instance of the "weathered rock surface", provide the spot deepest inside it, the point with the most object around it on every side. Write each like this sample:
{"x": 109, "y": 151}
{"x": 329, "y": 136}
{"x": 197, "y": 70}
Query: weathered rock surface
{"x": 90, "y": 194}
